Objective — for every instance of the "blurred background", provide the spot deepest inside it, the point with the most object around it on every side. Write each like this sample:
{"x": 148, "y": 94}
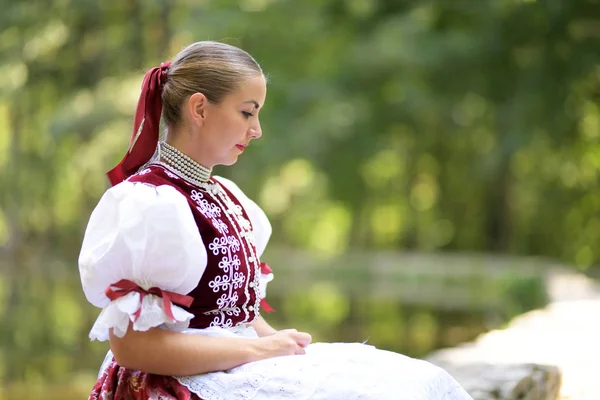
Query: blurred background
{"x": 423, "y": 163}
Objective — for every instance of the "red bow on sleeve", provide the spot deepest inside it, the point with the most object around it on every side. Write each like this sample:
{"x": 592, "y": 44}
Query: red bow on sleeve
{"x": 125, "y": 286}
{"x": 265, "y": 269}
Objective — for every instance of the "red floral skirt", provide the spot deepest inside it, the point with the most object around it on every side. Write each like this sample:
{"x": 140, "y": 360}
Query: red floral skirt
{"x": 118, "y": 383}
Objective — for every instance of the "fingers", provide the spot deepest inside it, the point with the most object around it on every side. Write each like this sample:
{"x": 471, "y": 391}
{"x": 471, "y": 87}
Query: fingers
{"x": 290, "y": 342}
{"x": 303, "y": 339}
{"x": 289, "y": 330}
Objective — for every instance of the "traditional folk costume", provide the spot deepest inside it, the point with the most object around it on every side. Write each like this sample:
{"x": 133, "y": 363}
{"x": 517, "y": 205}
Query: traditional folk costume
{"x": 171, "y": 246}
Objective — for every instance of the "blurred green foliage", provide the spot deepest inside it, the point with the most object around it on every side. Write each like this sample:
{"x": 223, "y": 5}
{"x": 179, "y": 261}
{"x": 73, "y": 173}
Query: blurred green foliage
{"x": 431, "y": 125}
{"x": 427, "y": 125}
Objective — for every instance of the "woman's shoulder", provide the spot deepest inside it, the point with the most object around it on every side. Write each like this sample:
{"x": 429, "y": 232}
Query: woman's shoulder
{"x": 228, "y": 183}
{"x": 232, "y": 187}
{"x": 142, "y": 194}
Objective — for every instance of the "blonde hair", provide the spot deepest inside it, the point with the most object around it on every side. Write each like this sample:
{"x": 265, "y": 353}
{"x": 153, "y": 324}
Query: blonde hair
{"x": 211, "y": 68}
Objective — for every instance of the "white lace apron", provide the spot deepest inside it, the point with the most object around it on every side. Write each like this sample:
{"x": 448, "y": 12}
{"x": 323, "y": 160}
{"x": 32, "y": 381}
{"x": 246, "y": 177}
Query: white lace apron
{"x": 328, "y": 371}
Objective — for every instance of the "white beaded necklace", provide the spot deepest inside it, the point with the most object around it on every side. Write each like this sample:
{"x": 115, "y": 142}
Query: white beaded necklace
{"x": 182, "y": 164}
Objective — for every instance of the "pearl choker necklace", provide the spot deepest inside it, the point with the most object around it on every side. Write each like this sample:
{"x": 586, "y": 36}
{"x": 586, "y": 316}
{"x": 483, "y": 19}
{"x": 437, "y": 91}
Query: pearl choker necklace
{"x": 182, "y": 164}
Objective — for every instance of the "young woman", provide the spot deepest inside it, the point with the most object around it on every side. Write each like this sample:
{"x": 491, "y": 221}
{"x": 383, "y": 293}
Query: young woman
{"x": 172, "y": 256}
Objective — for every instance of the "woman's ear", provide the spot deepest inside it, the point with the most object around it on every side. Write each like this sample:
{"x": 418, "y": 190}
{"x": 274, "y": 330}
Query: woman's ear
{"x": 196, "y": 108}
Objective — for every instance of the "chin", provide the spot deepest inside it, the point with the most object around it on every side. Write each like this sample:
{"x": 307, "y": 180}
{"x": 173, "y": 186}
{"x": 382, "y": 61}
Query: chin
{"x": 229, "y": 161}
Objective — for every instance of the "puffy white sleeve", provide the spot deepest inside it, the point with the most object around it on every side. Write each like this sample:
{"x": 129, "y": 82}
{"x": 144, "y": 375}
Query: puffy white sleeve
{"x": 260, "y": 225}
{"x": 147, "y": 235}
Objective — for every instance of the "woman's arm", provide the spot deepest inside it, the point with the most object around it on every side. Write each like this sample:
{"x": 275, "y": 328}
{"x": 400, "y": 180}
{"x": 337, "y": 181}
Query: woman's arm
{"x": 262, "y": 327}
{"x": 163, "y": 352}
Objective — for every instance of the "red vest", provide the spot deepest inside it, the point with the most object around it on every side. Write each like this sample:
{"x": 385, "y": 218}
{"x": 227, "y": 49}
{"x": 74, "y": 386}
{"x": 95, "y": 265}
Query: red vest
{"x": 228, "y": 292}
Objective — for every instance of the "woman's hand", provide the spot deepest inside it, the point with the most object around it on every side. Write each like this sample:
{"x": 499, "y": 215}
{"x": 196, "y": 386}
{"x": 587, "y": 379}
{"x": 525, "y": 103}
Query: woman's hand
{"x": 286, "y": 342}
{"x": 262, "y": 327}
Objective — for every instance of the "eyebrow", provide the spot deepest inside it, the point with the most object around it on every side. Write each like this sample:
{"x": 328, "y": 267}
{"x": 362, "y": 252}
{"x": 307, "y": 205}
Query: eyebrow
{"x": 256, "y": 105}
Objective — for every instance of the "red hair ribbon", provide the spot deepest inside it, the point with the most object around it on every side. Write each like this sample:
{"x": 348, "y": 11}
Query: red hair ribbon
{"x": 125, "y": 286}
{"x": 144, "y": 138}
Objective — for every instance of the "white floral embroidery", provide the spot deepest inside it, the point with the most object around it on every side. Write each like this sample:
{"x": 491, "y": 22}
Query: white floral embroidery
{"x": 232, "y": 208}
{"x": 221, "y": 226}
{"x": 243, "y": 228}
{"x": 209, "y": 210}
{"x": 227, "y": 246}
{"x": 145, "y": 171}
{"x": 230, "y": 282}
{"x": 249, "y": 236}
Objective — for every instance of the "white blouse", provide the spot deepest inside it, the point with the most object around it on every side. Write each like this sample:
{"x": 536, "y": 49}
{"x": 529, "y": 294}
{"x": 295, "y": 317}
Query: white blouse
{"x": 148, "y": 235}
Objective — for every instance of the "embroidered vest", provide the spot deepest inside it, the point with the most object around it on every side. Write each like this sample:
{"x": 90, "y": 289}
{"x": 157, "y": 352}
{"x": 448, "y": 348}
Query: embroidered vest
{"x": 228, "y": 292}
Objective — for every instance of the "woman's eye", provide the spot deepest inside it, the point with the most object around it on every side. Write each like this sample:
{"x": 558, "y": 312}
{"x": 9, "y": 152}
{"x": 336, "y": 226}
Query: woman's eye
{"x": 247, "y": 114}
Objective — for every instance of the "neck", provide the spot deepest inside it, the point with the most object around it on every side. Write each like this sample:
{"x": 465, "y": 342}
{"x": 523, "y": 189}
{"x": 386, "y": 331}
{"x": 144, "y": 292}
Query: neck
{"x": 181, "y": 139}
{"x": 185, "y": 166}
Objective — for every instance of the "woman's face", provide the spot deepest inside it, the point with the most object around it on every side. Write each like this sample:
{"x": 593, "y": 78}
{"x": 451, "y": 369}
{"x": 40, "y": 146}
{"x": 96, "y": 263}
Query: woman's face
{"x": 229, "y": 127}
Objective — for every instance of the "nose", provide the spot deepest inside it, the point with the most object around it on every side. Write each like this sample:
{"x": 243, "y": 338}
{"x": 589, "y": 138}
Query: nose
{"x": 255, "y": 131}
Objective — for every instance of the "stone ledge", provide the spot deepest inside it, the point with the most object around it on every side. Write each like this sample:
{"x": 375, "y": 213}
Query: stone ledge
{"x": 545, "y": 354}
{"x": 505, "y": 381}
{"x": 562, "y": 337}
